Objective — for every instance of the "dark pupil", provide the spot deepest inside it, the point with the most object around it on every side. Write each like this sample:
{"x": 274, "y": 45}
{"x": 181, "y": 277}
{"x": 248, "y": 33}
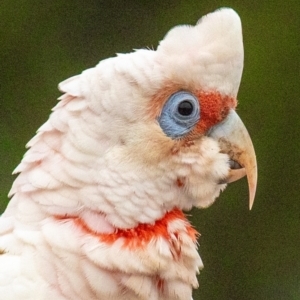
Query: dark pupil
{"x": 185, "y": 108}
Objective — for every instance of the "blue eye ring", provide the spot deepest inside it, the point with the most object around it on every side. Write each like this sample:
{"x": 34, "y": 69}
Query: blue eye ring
{"x": 180, "y": 114}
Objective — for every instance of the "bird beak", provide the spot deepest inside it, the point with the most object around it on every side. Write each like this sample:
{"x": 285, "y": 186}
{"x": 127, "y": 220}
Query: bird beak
{"x": 235, "y": 141}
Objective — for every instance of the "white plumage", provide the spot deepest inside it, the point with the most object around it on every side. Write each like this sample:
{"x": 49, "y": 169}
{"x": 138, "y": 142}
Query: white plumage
{"x": 96, "y": 211}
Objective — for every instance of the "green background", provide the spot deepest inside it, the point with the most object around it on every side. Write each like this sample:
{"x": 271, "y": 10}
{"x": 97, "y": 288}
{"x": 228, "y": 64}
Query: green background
{"x": 247, "y": 255}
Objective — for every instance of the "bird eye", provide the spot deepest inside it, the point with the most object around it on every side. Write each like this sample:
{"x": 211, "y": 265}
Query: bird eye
{"x": 180, "y": 114}
{"x": 185, "y": 108}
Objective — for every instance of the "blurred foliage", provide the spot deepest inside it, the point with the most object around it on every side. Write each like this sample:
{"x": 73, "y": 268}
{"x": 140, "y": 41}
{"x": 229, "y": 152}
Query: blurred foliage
{"x": 247, "y": 255}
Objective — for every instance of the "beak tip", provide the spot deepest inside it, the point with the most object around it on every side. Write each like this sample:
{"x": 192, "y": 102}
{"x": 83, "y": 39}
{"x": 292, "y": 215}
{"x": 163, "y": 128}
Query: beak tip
{"x": 252, "y": 191}
{"x": 251, "y": 205}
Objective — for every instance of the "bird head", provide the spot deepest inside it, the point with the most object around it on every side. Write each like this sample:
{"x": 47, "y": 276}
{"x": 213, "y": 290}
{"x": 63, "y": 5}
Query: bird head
{"x": 147, "y": 132}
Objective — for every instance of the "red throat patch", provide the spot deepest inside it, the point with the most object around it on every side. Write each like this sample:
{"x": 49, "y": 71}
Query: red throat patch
{"x": 140, "y": 235}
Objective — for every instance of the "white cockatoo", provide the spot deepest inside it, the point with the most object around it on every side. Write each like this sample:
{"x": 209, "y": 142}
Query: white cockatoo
{"x": 96, "y": 210}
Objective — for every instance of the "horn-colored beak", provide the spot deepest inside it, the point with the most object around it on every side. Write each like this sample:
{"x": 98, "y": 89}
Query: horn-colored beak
{"x": 235, "y": 140}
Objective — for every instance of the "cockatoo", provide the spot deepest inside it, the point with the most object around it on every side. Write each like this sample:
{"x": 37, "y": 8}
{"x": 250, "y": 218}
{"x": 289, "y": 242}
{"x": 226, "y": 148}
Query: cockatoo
{"x": 97, "y": 208}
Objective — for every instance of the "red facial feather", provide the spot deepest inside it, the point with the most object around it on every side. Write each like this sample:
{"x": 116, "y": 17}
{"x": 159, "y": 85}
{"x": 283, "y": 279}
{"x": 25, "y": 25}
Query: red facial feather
{"x": 180, "y": 182}
{"x": 160, "y": 284}
{"x": 214, "y": 107}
